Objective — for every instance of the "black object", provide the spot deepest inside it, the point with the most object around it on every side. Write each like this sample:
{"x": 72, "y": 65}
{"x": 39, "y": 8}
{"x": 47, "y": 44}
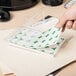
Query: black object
{"x": 52, "y": 2}
{"x": 48, "y": 17}
{"x": 4, "y": 15}
{"x": 11, "y": 5}
{"x": 17, "y": 4}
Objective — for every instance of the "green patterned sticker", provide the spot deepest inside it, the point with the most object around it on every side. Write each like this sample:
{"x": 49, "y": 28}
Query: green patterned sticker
{"x": 48, "y": 41}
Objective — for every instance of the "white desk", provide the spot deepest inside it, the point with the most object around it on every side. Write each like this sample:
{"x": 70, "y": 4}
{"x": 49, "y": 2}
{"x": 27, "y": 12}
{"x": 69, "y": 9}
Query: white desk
{"x": 25, "y": 63}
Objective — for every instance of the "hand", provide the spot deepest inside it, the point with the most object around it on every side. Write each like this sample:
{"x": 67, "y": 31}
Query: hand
{"x": 68, "y": 20}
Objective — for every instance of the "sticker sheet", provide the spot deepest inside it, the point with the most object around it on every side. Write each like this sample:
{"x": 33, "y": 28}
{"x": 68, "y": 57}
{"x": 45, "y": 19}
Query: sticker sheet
{"x": 47, "y": 42}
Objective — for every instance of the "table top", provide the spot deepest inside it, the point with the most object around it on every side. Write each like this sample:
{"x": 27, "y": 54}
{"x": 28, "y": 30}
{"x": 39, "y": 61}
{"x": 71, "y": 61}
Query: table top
{"x": 68, "y": 71}
{"x": 18, "y": 18}
{"x": 25, "y": 63}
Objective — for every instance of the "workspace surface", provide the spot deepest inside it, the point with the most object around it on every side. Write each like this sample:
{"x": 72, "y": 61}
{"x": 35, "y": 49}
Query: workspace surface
{"x": 25, "y": 63}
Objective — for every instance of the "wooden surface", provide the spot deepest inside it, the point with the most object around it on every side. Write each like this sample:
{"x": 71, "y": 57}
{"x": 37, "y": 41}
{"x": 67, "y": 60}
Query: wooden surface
{"x": 1, "y": 72}
{"x": 68, "y": 71}
{"x": 11, "y": 74}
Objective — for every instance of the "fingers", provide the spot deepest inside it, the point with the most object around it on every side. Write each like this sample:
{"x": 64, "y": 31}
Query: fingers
{"x": 74, "y": 25}
{"x": 69, "y": 24}
{"x": 62, "y": 22}
{"x": 63, "y": 29}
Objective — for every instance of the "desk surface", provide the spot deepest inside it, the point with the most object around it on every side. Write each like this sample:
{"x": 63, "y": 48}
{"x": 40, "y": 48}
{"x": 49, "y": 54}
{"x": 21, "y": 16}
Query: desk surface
{"x": 20, "y": 17}
{"x": 68, "y": 71}
{"x": 25, "y": 63}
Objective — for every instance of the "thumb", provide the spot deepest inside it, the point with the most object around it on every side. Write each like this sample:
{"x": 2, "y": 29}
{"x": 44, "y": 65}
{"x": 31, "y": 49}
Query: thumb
{"x": 61, "y": 22}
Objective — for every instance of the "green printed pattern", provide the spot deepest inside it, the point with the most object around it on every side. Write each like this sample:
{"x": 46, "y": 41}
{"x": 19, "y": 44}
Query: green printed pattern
{"x": 42, "y": 42}
{"x": 48, "y": 37}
